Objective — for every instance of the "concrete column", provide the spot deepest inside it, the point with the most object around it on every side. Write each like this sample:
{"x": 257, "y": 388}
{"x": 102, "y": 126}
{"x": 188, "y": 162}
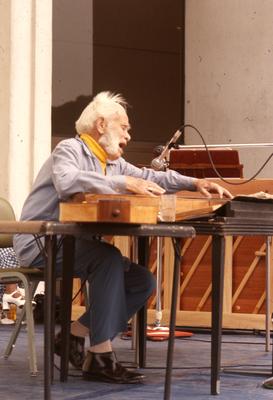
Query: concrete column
{"x": 25, "y": 95}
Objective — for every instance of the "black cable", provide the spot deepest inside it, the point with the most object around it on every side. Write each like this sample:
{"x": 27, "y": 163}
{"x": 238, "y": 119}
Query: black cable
{"x": 181, "y": 129}
{"x": 70, "y": 375}
{"x": 124, "y": 337}
{"x": 223, "y": 342}
{"x": 130, "y": 364}
{"x": 209, "y": 367}
{"x": 80, "y": 290}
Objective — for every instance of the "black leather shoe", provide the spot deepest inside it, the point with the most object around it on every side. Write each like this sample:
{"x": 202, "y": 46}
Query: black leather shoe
{"x": 76, "y": 349}
{"x": 104, "y": 367}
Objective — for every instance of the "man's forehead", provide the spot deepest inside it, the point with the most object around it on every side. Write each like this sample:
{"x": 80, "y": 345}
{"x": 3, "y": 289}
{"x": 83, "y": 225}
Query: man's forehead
{"x": 122, "y": 119}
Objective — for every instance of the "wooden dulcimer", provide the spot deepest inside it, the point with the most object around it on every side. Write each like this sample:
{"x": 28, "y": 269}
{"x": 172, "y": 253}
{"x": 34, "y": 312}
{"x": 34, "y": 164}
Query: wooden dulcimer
{"x": 131, "y": 208}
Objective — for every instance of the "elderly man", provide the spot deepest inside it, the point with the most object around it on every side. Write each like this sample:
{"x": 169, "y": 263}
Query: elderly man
{"x": 92, "y": 162}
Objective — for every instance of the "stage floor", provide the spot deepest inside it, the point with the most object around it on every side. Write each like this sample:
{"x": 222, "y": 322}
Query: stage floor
{"x": 191, "y": 374}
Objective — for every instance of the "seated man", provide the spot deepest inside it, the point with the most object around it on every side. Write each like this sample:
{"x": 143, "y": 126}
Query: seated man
{"x": 92, "y": 162}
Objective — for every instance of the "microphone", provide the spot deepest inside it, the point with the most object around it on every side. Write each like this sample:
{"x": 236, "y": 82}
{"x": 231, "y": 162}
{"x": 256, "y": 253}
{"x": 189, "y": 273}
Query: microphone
{"x": 160, "y": 163}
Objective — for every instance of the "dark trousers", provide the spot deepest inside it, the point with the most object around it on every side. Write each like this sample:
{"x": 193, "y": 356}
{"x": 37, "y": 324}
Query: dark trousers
{"x": 117, "y": 287}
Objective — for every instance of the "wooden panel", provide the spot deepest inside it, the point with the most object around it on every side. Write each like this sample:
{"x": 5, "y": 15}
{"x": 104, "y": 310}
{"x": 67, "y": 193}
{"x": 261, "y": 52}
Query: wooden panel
{"x": 249, "y": 276}
{"x": 197, "y": 163}
{"x": 244, "y": 287}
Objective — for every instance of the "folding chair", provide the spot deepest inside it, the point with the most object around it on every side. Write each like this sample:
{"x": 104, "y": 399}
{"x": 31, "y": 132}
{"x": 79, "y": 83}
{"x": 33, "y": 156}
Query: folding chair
{"x": 29, "y": 277}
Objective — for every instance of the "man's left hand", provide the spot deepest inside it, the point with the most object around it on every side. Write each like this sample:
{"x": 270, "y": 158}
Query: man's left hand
{"x": 206, "y": 188}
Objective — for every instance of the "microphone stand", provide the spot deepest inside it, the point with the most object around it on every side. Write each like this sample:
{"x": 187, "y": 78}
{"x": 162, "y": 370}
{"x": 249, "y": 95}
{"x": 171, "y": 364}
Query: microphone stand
{"x": 157, "y": 332}
{"x": 223, "y": 145}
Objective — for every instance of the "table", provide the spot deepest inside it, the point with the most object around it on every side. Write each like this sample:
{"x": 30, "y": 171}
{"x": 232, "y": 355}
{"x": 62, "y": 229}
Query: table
{"x": 72, "y": 230}
{"x": 219, "y": 227}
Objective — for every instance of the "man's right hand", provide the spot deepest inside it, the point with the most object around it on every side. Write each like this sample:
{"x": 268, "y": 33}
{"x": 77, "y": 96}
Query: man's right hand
{"x": 142, "y": 186}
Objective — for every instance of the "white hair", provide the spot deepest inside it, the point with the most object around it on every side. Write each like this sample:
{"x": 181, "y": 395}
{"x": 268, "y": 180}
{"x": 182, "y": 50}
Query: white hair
{"x": 105, "y": 105}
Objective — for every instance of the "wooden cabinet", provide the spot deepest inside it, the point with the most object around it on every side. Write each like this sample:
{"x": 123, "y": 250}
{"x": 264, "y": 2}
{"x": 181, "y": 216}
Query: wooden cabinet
{"x": 244, "y": 283}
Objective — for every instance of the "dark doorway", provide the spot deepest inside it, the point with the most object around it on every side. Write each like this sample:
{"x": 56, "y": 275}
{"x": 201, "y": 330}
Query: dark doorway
{"x": 138, "y": 50}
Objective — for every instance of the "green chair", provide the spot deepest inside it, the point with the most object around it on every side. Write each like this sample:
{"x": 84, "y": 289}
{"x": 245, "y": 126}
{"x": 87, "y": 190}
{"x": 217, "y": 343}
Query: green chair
{"x": 29, "y": 277}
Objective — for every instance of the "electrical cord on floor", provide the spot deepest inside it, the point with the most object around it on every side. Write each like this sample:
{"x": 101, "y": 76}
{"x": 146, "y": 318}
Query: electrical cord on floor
{"x": 70, "y": 375}
{"x": 208, "y": 367}
{"x": 129, "y": 364}
{"x": 223, "y": 342}
{"x": 124, "y": 337}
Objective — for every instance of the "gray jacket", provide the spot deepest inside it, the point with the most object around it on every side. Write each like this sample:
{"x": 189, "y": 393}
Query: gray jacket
{"x": 73, "y": 168}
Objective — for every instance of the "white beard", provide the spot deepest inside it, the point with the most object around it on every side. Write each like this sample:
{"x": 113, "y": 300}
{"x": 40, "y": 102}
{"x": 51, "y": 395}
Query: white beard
{"x": 110, "y": 143}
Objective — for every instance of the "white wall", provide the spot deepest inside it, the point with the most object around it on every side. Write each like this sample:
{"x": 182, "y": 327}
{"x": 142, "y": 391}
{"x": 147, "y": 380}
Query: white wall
{"x": 25, "y": 95}
{"x": 26, "y": 82}
{"x": 229, "y": 75}
{"x": 4, "y": 94}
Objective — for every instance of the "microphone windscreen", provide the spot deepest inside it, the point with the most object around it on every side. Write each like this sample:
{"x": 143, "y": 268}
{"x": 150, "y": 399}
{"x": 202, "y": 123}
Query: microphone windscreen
{"x": 158, "y": 164}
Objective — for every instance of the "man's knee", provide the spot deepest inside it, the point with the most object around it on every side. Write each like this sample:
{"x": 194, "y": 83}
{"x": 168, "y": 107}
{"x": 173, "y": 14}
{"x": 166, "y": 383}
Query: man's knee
{"x": 141, "y": 279}
{"x": 151, "y": 282}
{"x": 92, "y": 257}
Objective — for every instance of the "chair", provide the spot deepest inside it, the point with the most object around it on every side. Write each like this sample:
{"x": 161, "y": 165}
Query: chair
{"x": 30, "y": 278}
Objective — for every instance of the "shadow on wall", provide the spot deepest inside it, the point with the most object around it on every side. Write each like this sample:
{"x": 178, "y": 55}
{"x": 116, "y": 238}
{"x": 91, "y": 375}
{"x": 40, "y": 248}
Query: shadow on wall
{"x": 65, "y": 116}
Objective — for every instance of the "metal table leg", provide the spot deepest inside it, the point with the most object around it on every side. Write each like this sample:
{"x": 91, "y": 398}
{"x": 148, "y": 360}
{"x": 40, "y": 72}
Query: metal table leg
{"x": 143, "y": 252}
{"x": 218, "y": 260}
{"x": 176, "y": 274}
{"x": 50, "y": 245}
{"x": 66, "y": 302}
{"x": 159, "y": 255}
{"x": 268, "y": 321}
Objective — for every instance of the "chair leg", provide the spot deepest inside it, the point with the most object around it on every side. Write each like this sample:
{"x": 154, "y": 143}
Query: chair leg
{"x": 28, "y": 311}
{"x": 15, "y": 334}
{"x": 31, "y": 331}
{"x": 18, "y": 325}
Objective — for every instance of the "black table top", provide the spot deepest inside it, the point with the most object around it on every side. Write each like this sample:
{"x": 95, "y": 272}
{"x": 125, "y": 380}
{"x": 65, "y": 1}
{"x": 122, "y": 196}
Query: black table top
{"x": 126, "y": 229}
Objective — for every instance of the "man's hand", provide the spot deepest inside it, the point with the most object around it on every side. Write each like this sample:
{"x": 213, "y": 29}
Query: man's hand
{"x": 206, "y": 187}
{"x": 142, "y": 186}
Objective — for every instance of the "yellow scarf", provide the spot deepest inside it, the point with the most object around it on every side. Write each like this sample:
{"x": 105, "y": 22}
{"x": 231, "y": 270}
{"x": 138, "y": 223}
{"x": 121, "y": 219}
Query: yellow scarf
{"x": 96, "y": 149}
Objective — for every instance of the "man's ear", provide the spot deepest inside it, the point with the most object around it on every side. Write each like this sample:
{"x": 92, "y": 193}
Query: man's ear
{"x": 100, "y": 125}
